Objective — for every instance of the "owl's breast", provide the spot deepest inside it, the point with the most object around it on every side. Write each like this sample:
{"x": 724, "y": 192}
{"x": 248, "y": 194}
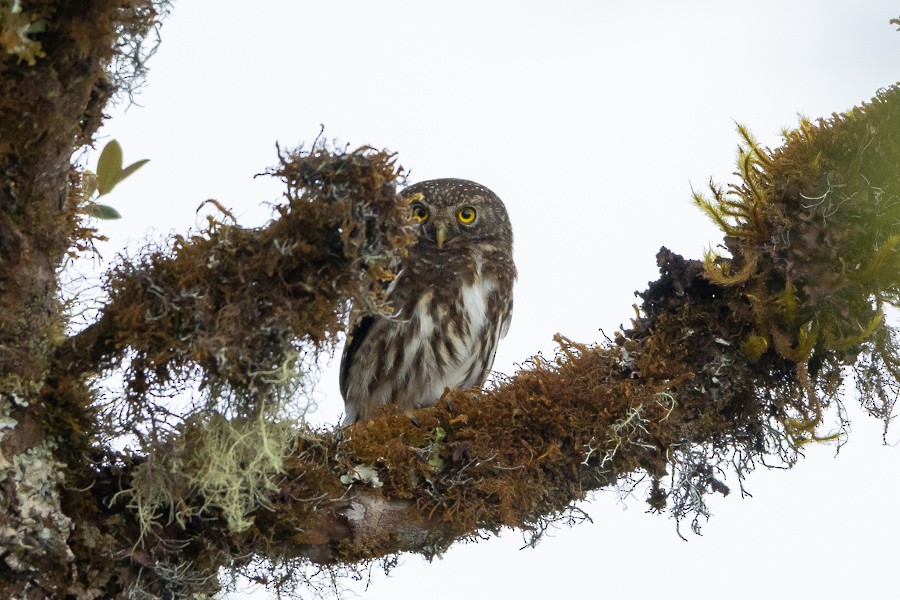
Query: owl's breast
{"x": 443, "y": 334}
{"x": 455, "y": 335}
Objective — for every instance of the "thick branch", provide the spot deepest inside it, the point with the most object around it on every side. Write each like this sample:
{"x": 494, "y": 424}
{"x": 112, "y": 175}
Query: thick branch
{"x": 731, "y": 361}
{"x": 235, "y": 302}
{"x": 514, "y": 456}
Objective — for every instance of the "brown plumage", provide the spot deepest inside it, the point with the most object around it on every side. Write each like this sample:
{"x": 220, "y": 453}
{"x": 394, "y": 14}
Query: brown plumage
{"x": 452, "y": 302}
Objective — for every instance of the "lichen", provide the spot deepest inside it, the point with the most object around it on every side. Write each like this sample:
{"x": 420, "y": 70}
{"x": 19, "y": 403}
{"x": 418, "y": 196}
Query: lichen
{"x": 16, "y": 29}
{"x": 39, "y": 528}
{"x": 211, "y": 466}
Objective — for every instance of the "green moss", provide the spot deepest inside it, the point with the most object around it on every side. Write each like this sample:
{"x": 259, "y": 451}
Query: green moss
{"x": 812, "y": 229}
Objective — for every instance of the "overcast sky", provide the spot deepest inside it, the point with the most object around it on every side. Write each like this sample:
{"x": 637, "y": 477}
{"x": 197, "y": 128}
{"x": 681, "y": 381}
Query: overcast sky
{"x": 591, "y": 120}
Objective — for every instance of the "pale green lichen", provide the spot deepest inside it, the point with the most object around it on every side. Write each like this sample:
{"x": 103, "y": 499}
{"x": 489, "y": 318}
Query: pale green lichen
{"x": 6, "y": 422}
{"x": 38, "y": 527}
{"x": 15, "y": 391}
{"x": 231, "y": 465}
{"x": 364, "y": 474}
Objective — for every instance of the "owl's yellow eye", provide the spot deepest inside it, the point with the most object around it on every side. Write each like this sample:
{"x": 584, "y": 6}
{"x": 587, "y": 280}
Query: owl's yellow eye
{"x": 420, "y": 213}
{"x": 466, "y": 215}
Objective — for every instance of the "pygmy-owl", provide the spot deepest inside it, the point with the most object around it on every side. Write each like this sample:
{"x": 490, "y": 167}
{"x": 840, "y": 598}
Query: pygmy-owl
{"x": 452, "y": 302}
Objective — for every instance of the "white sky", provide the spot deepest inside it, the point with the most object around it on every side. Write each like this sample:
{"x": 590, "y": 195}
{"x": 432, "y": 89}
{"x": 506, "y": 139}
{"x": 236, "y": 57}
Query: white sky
{"x": 591, "y": 120}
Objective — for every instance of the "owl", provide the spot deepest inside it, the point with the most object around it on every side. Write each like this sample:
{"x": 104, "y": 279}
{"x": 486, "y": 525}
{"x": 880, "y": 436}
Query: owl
{"x": 452, "y": 302}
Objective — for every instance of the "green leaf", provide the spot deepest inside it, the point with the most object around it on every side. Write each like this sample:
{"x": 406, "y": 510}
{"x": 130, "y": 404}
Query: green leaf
{"x": 102, "y": 211}
{"x": 109, "y": 167}
{"x": 132, "y": 168}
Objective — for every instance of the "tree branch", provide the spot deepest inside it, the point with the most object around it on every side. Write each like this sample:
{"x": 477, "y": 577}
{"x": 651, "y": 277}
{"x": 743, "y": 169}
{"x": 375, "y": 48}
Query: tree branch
{"x": 732, "y": 360}
{"x": 53, "y": 87}
{"x": 234, "y": 301}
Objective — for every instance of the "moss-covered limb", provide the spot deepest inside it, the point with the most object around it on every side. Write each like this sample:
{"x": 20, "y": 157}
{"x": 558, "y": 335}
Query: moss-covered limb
{"x": 45, "y": 79}
{"x": 514, "y": 456}
{"x": 731, "y": 361}
{"x": 236, "y": 308}
{"x": 520, "y": 454}
{"x": 54, "y": 57}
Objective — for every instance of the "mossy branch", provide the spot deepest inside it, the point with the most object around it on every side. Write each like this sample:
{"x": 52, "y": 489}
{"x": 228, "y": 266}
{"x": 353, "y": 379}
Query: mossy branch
{"x": 731, "y": 362}
{"x": 233, "y": 303}
{"x": 54, "y": 85}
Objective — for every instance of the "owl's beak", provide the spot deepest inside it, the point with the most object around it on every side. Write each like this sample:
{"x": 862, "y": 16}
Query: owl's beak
{"x": 440, "y": 233}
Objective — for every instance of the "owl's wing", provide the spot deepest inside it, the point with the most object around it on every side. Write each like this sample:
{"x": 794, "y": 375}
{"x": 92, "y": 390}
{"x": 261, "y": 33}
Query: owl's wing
{"x": 355, "y": 338}
{"x": 354, "y": 341}
{"x": 500, "y": 333}
{"x": 506, "y": 320}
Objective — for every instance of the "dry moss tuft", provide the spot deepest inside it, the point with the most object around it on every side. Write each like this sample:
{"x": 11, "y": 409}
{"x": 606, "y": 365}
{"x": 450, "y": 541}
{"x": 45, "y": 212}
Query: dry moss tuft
{"x": 239, "y": 310}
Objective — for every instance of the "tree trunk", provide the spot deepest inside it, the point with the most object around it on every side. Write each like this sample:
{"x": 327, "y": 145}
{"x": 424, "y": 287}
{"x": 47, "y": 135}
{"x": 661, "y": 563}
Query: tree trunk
{"x": 53, "y": 87}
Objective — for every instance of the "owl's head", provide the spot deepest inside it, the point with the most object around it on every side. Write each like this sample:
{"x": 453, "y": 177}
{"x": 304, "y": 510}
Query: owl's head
{"x": 456, "y": 212}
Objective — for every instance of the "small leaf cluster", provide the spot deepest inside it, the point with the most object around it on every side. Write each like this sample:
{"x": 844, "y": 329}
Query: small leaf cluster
{"x": 109, "y": 174}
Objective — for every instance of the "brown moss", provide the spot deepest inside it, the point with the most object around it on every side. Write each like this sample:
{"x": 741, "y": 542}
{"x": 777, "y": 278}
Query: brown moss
{"x": 730, "y": 363}
{"x": 678, "y": 396}
{"x": 237, "y": 309}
